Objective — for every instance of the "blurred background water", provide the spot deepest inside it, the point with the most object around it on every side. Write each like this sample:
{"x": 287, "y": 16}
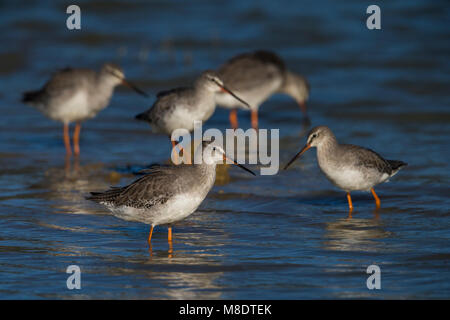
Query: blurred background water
{"x": 286, "y": 236}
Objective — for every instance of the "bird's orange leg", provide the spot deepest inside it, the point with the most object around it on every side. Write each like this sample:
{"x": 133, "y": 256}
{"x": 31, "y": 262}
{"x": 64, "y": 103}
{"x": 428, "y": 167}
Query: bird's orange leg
{"x": 234, "y": 119}
{"x": 303, "y": 107}
{"x": 254, "y": 118}
{"x": 350, "y": 204}
{"x": 67, "y": 140}
{"x": 150, "y": 237}
{"x": 175, "y": 153}
{"x": 169, "y": 239}
{"x": 169, "y": 234}
{"x": 76, "y": 139}
{"x": 67, "y": 164}
{"x": 377, "y": 200}
{"x": 306, "y": 120}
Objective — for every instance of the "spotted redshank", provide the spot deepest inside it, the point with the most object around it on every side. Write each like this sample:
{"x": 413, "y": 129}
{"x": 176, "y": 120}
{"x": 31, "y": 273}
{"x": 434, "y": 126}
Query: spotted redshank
{"x": 349, "y": 167}
{"x": 179, "y": 108}
{"x": 166, "y": 194}
{"x": 255, "y": 77}
{"x": 75, "y": 95}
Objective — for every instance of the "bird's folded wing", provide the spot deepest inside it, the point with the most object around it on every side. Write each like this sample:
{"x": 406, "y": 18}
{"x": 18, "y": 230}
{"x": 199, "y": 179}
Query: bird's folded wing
{"x": 68, "y": 79}
{"x": 369, "y": 159}
{"x": 152, "y": 189}
{"x": 250, "y": 70}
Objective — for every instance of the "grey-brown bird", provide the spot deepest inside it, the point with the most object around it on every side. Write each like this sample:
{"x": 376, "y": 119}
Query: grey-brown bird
{"x": 349, "y": 167}
{"x": 166, "y": 194}
{"x": 179, "y": 108}
{"x": 255, "y": 77}
{"x": 75, "y": 95}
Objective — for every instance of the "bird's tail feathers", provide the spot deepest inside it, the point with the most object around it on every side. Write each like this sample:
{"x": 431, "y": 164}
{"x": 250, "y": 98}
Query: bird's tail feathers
{"x": 106, "y": 196}
{"x": 143, "y": 116}
{"x": 30, "y": 96}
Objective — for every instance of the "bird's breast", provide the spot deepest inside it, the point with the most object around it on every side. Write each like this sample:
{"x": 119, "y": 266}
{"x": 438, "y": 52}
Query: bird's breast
{"x": 346, "y": 176}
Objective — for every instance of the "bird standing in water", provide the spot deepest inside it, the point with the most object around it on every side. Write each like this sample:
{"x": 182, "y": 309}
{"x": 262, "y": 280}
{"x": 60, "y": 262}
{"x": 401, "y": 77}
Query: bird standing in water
{"x": 179, "y": 108}
{"x": 255, "y": 77}
{"x": 347, "y": 166}
{"x": 75, "y": 95}
{"x": 166, "y": 194}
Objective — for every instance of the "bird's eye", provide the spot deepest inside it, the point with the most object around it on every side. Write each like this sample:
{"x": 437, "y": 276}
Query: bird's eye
{"x": 314, "y": 135}
{"x": 214, "y": 149}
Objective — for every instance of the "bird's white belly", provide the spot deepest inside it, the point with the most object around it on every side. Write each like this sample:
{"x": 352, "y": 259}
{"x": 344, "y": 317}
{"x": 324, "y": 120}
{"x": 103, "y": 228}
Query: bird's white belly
{"x": 178, "y": 208}
{"x": 184, "y": 118}
{"x": 73, "y": 109}
{"x": 227, "y": 101}
{"x": 175, "y": 209}
{"x": 348, "y": 179}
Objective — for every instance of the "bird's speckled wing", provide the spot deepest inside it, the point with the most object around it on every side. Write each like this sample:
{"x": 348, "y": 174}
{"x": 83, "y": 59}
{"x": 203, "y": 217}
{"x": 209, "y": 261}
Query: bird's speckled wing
{"x": 154, "y": 188}
{"x": 251, "y": 70}
{"x": 366, "y": 158}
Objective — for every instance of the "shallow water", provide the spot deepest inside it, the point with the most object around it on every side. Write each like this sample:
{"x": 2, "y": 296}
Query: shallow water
{"x": 284, "y": 236}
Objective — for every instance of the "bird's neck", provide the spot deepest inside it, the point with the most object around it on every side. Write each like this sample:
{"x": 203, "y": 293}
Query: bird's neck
{"x": 106, "y": 83}
{"x": 286, "y": 84}
{"x": 327, "y": 148}
{"x": 202, "y": 163}
{"x": 203, "y": 93}
{"x": 206, "y": 103}
{"x": 208, "y": 171}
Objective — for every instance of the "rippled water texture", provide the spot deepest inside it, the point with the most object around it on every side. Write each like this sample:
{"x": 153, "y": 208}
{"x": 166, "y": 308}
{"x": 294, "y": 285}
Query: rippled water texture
{"x": 284, "y": 236}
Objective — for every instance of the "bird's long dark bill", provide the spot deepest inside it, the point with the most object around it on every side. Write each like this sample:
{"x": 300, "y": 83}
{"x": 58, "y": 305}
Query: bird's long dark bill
{"x": 225, "y": 89}
{"x": 306, "y": 147}
{"x": 132, "y": 86}
{"x": 225, "y": 158}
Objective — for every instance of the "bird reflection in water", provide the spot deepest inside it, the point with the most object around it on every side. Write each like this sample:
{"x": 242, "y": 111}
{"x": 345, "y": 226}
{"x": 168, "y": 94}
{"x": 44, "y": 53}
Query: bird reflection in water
{"x": 66, "y": 186}
{"x": 356, "y": 234}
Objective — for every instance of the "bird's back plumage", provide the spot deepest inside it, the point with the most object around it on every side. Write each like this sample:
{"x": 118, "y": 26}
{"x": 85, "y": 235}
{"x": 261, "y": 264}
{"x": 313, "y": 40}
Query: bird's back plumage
{"x": 368, "y": 158}
{"x": 178, "y": 108}
{"x": 252, "y": 76}
{"x": 70, "y": 95}
{"x": 149, "y": 190}
{"x": 250, "y": 70}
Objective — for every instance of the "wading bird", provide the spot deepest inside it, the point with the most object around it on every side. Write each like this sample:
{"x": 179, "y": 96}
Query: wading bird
{"x": 179, "y": 108}
{"x": 347, "y": 166}
{"x": 255, "y": 77}
{"x": 75, "y": 95}
{"x": 166, "y": 194}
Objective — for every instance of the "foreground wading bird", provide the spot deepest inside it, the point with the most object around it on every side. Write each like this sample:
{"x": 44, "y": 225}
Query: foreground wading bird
{"x": 255, "y": 77}
{"x": 349, "y": 167}
{"x": 75, "y": 95}
{"x": 166, "y": 194}
{"x": 179, "y": 108}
